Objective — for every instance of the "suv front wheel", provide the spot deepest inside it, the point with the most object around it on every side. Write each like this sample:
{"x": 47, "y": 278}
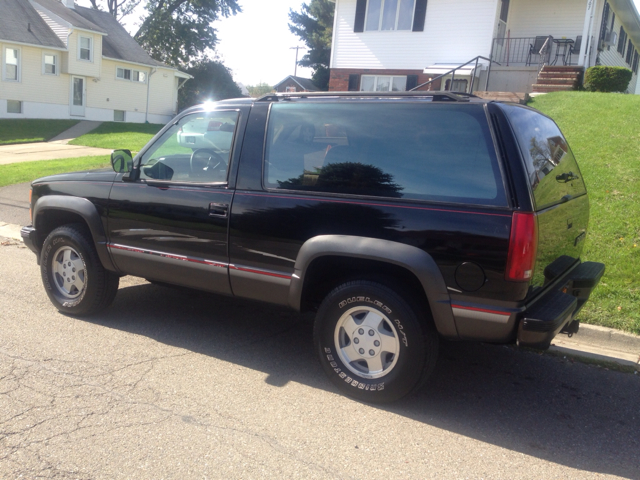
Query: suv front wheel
{"x": 371, "y": 343}
{"x": 74, "y": 279}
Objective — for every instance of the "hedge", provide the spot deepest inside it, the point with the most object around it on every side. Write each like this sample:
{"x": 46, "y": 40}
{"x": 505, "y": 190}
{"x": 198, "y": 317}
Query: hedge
{"x": 607, "y": 79}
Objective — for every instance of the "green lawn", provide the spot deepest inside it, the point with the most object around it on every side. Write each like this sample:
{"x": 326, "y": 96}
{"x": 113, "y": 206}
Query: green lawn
{"x": 28, "y": 171}
{"x": 114, "y": 135}
{"x": 603, "y": 130}
{"x": 26, "y": 130}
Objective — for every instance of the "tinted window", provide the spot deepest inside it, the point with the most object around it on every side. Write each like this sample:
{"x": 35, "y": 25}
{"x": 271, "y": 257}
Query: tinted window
{"x": 197, "y": 149}
{"x": 551, "y": 166}
{"x": 421, "y": 151}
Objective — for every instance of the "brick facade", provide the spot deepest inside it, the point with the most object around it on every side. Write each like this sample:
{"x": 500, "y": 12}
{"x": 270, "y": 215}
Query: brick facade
{"x": 339, "y": 79}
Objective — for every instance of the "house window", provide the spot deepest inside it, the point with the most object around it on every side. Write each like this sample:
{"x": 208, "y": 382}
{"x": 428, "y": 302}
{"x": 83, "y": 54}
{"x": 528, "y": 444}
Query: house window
{"x": 14, "y": 106}
{"x": 389, "y": 14}
{"x": 123, "y": 73}
{"x": 50, "y": 64}
{"x": 635, "y": 62}
{"x": 128, "y": 74}
{"x": 139, "y": 76}
{"x": 11, "y": 64}
{"x": 85, "y": 48}
{"x": 118, "y": 115}
{"x": 630, "y": 51}
{"x": 290, "y": 89}
{"x": 458, "y": 85}
{"x": 383, "y": 83}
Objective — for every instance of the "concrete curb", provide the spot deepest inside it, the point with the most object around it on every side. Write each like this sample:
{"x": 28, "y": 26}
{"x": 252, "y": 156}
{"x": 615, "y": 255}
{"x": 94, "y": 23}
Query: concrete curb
{"x": 7, "y": 230}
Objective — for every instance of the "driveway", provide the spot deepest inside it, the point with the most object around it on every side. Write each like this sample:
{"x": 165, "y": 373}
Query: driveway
{"x": 29, "y": 152}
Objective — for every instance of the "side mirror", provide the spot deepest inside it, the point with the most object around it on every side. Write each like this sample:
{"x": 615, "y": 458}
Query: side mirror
{"x": 122, "y": 161}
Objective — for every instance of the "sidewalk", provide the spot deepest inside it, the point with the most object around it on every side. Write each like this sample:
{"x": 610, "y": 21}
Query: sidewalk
{"x": 54, "y": 149}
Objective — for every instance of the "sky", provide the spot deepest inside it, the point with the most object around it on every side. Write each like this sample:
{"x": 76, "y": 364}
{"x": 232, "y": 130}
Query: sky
{"x": 255, "y": 44}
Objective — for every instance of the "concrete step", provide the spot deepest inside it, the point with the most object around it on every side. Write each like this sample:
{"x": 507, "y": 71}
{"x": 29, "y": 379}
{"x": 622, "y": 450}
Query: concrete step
{"x": 545, "y": 88}
{"x": 567, "y": 76}
{"x": 561, "y": 69}
{"x": 556, "y": 81}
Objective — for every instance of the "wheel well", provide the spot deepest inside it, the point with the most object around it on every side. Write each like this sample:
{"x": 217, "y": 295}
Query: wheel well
{"x": 326, "y": 273}
{"x": 53, "y": 219}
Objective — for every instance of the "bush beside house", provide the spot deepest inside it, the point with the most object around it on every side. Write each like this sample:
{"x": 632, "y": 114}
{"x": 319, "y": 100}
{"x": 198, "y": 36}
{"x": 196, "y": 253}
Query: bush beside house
{"x": 607, "y": 79}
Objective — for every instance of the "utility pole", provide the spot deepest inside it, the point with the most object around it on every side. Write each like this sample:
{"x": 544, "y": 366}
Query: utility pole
{"x": 295, "y": 70}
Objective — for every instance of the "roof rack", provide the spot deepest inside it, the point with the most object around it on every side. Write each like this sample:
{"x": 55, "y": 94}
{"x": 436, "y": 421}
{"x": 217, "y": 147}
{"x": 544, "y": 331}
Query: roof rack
{"x": 435, "y": 96}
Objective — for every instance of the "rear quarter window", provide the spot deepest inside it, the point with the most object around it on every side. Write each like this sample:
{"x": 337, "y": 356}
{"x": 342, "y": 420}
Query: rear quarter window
{"x": 417, "y": 151}
{"x": 552, "y": 169}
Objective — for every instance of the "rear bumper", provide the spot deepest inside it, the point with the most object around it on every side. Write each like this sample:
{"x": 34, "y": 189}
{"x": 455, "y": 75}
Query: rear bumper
{"x": 549, "y": 314}
{"x": 28, "y": 235}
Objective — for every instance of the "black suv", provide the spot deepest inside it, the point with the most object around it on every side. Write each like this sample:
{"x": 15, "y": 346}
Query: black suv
{"x": 399, "y": 218}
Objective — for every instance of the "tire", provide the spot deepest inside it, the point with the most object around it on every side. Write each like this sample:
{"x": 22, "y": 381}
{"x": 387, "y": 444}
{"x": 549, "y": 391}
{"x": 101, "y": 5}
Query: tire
{"x": 371, "y": 343}
{"x": 73, "y": 277}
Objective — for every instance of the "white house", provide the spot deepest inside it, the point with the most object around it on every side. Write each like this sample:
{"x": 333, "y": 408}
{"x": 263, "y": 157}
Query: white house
{"x": 398, "y": 44}
{"x": 60, "y": 60}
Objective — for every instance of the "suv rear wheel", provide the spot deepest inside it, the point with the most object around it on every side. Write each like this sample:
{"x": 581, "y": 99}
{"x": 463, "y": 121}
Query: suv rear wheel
{"x": 371, "y": 343}
{"x": 73, "y": 276}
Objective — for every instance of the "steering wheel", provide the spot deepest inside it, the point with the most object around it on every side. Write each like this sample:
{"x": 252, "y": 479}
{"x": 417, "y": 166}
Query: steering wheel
{"x": 205, "y": 162}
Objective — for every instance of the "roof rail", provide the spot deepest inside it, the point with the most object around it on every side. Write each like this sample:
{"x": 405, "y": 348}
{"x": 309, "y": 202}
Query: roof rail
{"x": 436, "y": 96}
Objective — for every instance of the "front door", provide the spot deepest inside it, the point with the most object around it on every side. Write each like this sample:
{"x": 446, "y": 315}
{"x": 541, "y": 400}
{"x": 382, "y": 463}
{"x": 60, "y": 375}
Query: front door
{"x": 78, "y": 96}
{"x": 170, "y": 225}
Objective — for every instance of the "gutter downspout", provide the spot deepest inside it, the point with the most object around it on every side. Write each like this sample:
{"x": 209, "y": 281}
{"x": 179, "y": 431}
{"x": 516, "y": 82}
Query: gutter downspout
{"x": 146, "y": 113}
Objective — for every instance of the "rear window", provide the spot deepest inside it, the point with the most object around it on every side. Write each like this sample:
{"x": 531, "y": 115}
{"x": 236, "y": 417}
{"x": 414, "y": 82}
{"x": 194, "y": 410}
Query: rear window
{"x": 418, "y": 151}
{"x": 551, "y": 166}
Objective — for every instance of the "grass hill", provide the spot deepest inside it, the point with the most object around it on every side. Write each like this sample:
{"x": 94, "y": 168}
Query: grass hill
{"x": 603, "y": 130}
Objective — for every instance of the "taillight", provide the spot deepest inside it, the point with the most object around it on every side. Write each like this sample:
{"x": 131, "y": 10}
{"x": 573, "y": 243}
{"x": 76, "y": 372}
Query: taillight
{"x": 30, "y": 212}
{"x": 523, "y": 247}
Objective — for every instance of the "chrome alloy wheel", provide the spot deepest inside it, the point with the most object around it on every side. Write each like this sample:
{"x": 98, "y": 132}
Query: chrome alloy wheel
{"x": 367, "y": 342}
{"x": 68, "y": 271}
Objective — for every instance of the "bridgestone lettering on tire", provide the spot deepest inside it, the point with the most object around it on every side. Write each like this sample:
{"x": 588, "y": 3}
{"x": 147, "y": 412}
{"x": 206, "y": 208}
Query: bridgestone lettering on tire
{"x": 73, "y": 276}
{"x": 372, "y": 344}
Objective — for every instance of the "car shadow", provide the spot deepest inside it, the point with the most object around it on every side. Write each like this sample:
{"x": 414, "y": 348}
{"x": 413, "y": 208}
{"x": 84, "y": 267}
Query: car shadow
{"x": 581, "y": 416}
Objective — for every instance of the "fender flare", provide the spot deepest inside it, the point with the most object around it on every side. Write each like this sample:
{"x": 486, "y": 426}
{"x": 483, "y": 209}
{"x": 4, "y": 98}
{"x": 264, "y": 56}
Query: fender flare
{"x": 417, "y": 261}
{"x": 84, "y": 208}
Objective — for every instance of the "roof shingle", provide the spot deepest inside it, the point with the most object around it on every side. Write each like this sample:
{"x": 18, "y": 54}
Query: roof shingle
{"x": 19, "y": 22}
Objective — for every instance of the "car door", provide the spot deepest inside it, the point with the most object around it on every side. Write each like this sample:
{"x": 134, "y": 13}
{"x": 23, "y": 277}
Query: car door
{"x": 170, "y": 224}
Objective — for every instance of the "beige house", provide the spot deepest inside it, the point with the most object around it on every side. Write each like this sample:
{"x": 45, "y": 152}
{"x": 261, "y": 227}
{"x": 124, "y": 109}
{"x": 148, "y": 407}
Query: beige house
{"x": 60, "y": 60}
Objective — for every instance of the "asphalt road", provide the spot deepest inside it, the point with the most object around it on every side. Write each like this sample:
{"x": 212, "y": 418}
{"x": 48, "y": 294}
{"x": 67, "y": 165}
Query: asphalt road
{"x": 170, "y": 383}
{"x": 14, "y": 204}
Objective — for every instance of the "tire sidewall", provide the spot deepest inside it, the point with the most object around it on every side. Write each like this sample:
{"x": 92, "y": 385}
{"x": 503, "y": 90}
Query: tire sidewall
{"x": 63, "y": 237}
{"x": 407, "y": 371}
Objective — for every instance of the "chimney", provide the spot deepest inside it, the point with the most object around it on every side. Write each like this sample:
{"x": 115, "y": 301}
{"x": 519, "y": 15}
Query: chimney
{"x": 69, "y": 4}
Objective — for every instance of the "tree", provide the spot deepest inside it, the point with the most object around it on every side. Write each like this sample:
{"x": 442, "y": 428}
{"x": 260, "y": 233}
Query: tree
{"x": 211, "y": 81}
{"x": 314, "y": 26}
{"x": 175, "y": 32}
{"x": 259, "y": 90}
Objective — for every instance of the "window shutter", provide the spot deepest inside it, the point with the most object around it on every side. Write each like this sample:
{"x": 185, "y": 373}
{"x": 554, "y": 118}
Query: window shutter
{"x": 412, "y": 81}
{"x": 354, "y": 82}
{"x": 361, "y": 8}
{"x": 605, "y": 18}
{"x": 419, "y": 15}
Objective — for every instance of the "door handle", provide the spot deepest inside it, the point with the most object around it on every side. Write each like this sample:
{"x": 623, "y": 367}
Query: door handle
{"x": 218, "y": 209}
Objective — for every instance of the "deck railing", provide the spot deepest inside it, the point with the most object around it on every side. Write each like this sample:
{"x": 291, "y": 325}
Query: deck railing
{"x": 519, "y": 51}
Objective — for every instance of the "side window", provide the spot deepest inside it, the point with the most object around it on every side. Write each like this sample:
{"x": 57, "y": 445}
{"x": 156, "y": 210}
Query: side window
{"x": 551, "y": 166}
{"x": 419, "y": 151}
{"x": 196, "y": 150}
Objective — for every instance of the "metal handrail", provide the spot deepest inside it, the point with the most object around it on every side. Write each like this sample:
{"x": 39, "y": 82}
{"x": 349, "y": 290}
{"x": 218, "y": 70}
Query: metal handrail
{"x": 453, "y": 74}
{"x": 543, "y": 54}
